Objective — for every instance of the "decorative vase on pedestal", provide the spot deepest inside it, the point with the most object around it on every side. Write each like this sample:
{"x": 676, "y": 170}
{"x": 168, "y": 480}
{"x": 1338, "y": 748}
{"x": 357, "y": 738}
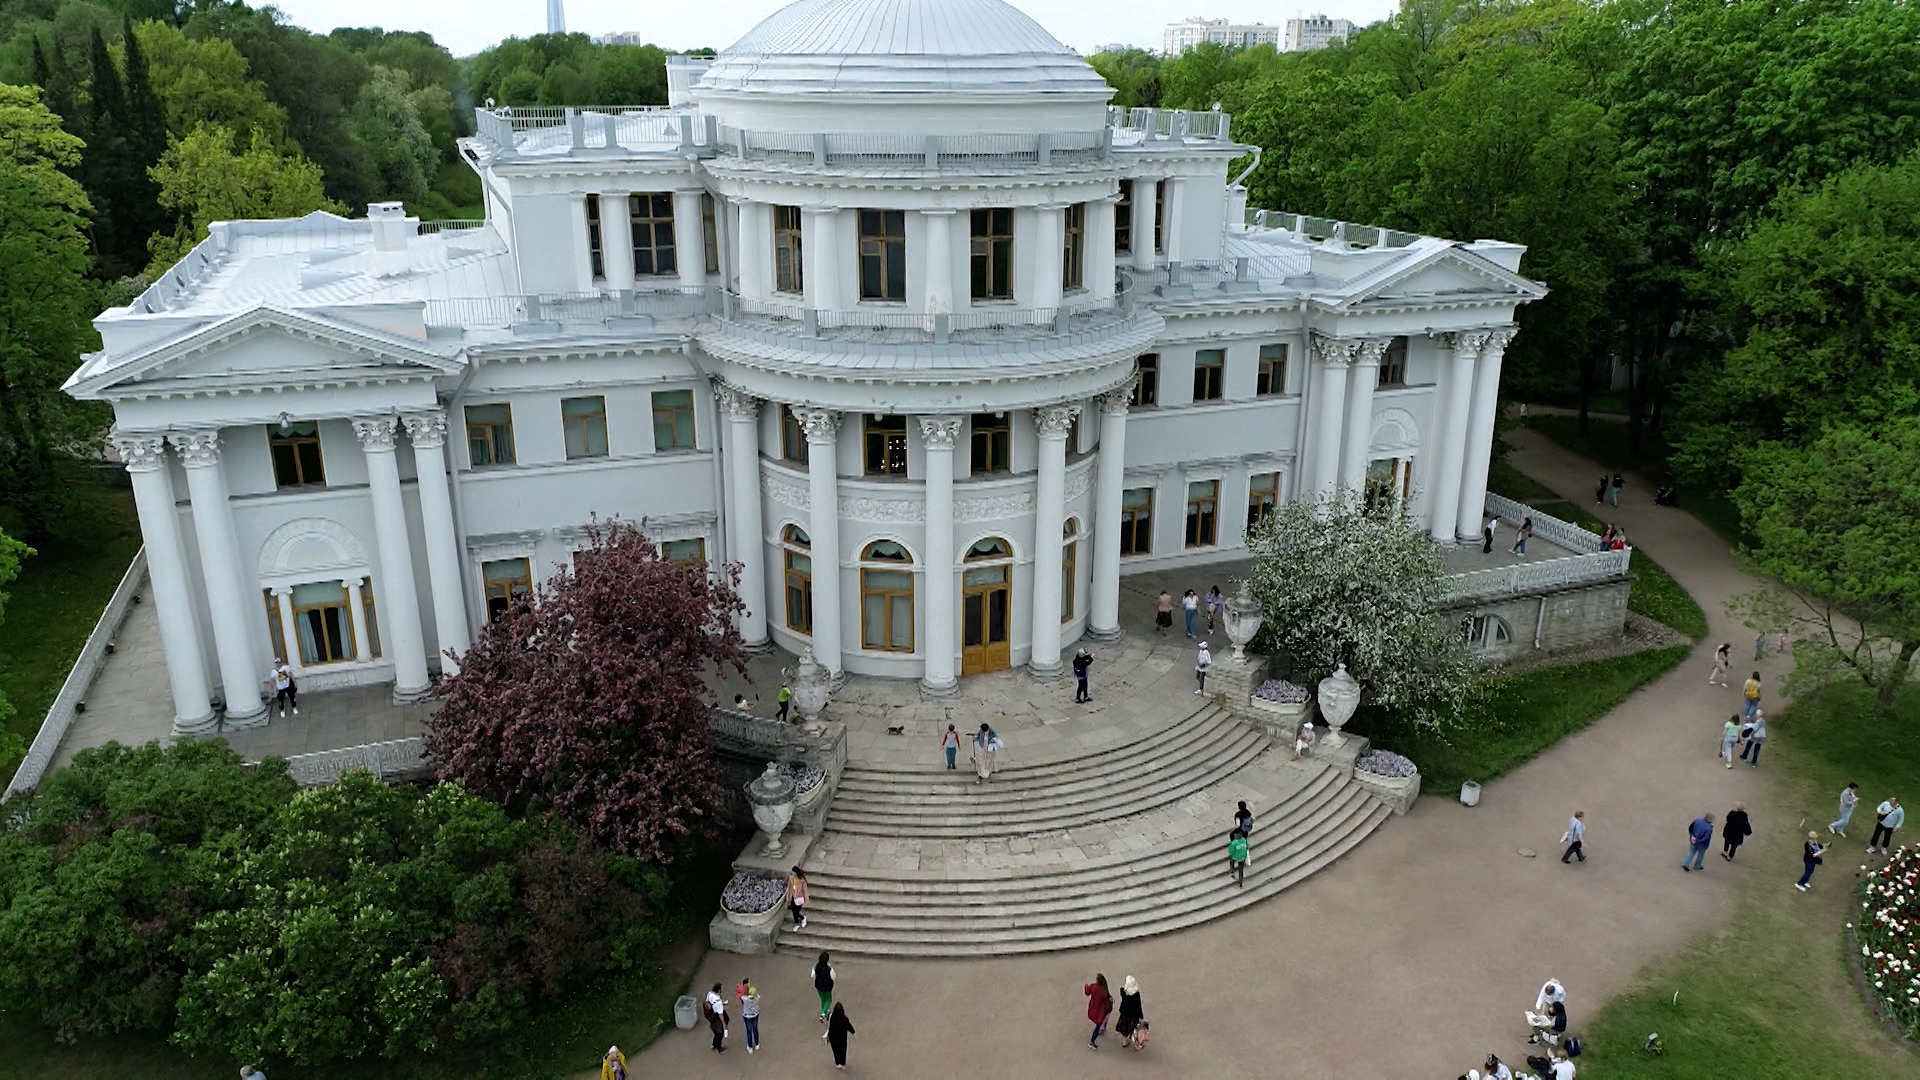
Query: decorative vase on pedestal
{"x": 1339, "y": 697}
{"x": 1243, "y": 618}
{"x": 810, "y": 686}
{"x": 771, "y": 794}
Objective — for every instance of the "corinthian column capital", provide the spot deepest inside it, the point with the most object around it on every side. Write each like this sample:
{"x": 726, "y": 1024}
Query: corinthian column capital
{"x": 1055, "y": 421}
{"x": 198, "y": 449}
{"x": 142, "y": 453}
{"x": 738, "y": 404}
{"x": 376, "y": 434}
{"x": 1335, "y": 352}
{"x": 821, "y": 425}
{"x": 427, "y": 430}
{"x": 939, "y": 432}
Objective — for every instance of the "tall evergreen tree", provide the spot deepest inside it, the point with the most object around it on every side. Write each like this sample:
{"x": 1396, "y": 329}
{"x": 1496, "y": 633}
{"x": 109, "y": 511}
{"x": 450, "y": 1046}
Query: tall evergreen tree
{"x": 104, "y": 163}
{"x": 145, "y": 127}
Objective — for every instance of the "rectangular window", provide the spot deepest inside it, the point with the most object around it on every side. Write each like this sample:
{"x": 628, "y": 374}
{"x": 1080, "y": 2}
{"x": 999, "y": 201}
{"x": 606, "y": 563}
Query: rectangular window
{"x": 789, "y": 274}
{"x": 883, "y": 255}
{"x": 1069, "y": 560}
{"x": 1123, "y": 219}
{"x": 1273, "y": 371}
{"x": 273, "y": 623}
{"x": 596, "y": 253}
{"x": 585, "y": 420}
{"x": 799, "y": 588}
{"x": 710, "y": 232}
{"x": 322, "y": 623}
{"x": 651, "y": 216}
{"x": 886, "y": 610}
{"x": 1136, "y": 521}
{"x": 1209, "y": 374}
{"x": 508, "y": 582}
{"x": 1203, "y": 513}
{"x": 1263, "y": 494}
{"x": 673, "y": 420}
{"x": 685, "y": 554}
{"x": 490, "y": 434}
{"x": 1159, "y": 217}
{"x": 1146, "y": 388}
{"x": 1393, "y": 364}
{"x": 992, "y": 443}
{"x": 793, "y": 437}
{"x": 886, "y": 445}
{"x": 296, "y": 455}
{"x": 993, "y": 254}
{"x": 1072, "y": 270}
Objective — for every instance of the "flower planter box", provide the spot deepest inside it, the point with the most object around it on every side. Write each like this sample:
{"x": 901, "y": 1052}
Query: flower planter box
{"x": 755, "y": 919}
{"x": 1398, "y": 792}
{"x": 1277, "y": 720}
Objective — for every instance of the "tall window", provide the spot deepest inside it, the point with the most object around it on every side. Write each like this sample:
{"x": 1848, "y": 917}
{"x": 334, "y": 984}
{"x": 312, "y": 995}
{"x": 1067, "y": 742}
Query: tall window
{"x": 886, "y": 445}
{"x": 1069, "y": 557}
{"x": 685, "y": 554}
{"x": 993, "y": 254}
{"x": 1203, "y": 513}
{"x": 322, "y": 622}
{"x": 585, "y": 420}
{"x": 596, "y": 253}
{"x": 886, "y": 598}
{"x": 490, "y": 434}
{"x": 793, "y": 437}
{"x": 1393, "y": 364}
{"x": 1146, "y": 388}
{"x": 673, "y": 420}
{"x": 1263, "y": 494}
{"x": 798, "y": 561}
{"x": 1159, "y": 217}
{"x": 1209, "y": 374}
{"x": 1273, "y": 370}
{"x": 789, "y": 273}
{"x": 1123, "y": 218}
{"x": 651, "y": 215}
{"x": 1072, "y": 267}
{"x": 992, "y": 442}
{"x": 710, "y": 232}
{"x": 883, "y": 255}
{"x": 296, "y": 455}
{"x": 1136, "y": 521}
{"x": 509, "y": 582}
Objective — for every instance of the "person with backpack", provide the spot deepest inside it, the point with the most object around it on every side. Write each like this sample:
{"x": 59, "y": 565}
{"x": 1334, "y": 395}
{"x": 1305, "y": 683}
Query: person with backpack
{"x": 1243, "y": 819}
{"x": 1082, "y": 662}
{"x": 823, "y": 985}
{"x": 1099, "y": 1007}
{"x": 1237, "y": 858}
{"x": 950, "y": 742}
{"x": 1810, "y": 858}
{"x": 1751, "y": 692}
{"x": 1735, "y": 831}
{"x": 285, "y": 693}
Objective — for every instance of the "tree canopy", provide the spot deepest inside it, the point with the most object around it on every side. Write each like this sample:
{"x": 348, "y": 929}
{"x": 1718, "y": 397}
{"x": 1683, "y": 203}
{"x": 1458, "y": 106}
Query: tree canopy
{"x": 203, "y": 178}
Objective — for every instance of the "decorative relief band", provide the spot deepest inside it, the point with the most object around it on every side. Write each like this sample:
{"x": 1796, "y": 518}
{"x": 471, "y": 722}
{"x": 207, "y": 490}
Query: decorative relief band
{"x": 779, "y": 490}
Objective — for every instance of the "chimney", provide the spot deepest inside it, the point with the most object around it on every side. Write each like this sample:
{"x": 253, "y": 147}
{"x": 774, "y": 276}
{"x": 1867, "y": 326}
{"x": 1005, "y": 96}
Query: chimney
{"x": 392, "y": 229}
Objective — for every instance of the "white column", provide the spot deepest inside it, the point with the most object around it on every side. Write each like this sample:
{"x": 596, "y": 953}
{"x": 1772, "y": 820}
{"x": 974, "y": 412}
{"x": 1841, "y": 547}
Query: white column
{"x": 939, "y": 276}
{"x": 146, "y": 460}
{"x": 1145, "y": 200}
{"x": 400, "y": 614}
{"x": 1363, "y": 376}
{"x": 289, "y": 629}
{"x": 220, "y": 567}
{"x": 689, "y": 240}
{"x": 362, "y": 630}
{"x": 819, "y": 248}
{"x": 1049, "y": 252}
{"x": 616, "y": 239}
{"x": 754, "y": 247}
{"x": 1449, "y": 438}
{"x": 583, "y": 260}
{"x": 1479, "y": 441}
{"x": 1049, "y": 511}
{"x": 823, "y": 528}
{"x": 1103, "y": 623}
{"x": 1096, "y": 248}
{"x": 745, "y": 536}
{"x": 723, "y": 229}
{"x": 938, "y": 434}
{"x": 1170, "y": 240}
{"x": 427, "y": 433}
{"x": 1330, "y": 411}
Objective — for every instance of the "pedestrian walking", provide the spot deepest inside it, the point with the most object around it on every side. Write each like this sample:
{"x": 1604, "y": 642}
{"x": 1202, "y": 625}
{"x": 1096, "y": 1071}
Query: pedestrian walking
{"x": 749, "y": 995}
{"x": 1849, "y": 798}
{"x": 1576, "y": 838}
{"x": 1243, "y": 819}
{"x": 1099, "y": 1007}
{"x": 797, "y": 897}
{"x": 950, "y": 742}
{"x": 1614, "y": 491}
{"x": 1082, "y": 661}
{"x": 1729, "y": 735}
{"x": 1759, "y": 645}
{"x": 985, "y": 744}
{"x": 1699, "y": 836}
{"x": 1190, "y": 609}
{"x": 1216, "y": 608}
{"x": 284, "y": 691}
{"x": 1810, "y": 857}
{"x": 785, "y": 698}
{"x": 838, "y": 1028}
{"x": 1751, "y": 693}
{"x": 1237, "y": 857}
{"x": 1600, "y": 490}
{"x": 1756, "y": 738}
{"x": 1131, "y": 1011}
{"x": 1486, "y": 535}
{"x": 1163, "y": 612}
{"x": 1521, "y": 535}
{"x": 1887, "y": 817}
{"x": 823, "y": 985}
{"x": 717, "y": 1019}
{"x": 1722, "y": 660}
{"x": 614, "y": 1065}
{"x": 1785, "y": 644}
{"x": 1202, "y": 664}
{"x": 1735, "y": 831}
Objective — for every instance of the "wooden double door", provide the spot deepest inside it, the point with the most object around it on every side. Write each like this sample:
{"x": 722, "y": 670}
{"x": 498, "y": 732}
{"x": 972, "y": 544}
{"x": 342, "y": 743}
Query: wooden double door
{"x": 986, "y": 615}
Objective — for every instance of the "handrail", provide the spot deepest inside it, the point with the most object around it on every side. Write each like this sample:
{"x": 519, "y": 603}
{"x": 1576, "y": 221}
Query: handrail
{"x": 1570, "y": 571}
{"x": 1545, "y": 526}
{"x": 787, "y": 319}
{"x": 394, "y": 758}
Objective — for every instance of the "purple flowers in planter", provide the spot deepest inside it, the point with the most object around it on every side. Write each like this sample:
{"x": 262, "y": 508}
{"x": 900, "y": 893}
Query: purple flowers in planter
{"x": 753, "y": 894}
{"x": 1281, "y": 691}
{"x": 1385, "y": 763}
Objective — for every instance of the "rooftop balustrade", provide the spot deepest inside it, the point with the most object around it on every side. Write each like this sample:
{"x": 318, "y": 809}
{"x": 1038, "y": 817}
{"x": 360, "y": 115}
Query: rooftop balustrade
{"x": 781, "y": 321}
{"x": 568, "y": 309}
{"x": 1316, "y": 229}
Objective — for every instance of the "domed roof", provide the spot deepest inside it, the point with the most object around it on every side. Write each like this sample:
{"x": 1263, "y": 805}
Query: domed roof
{"x": 901, "y": 46}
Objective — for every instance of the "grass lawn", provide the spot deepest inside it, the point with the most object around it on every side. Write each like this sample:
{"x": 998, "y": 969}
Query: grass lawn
{"x": 1769, "y": 995}
{"x": 1609, "y": 443}
{"x": 51, "y": 610}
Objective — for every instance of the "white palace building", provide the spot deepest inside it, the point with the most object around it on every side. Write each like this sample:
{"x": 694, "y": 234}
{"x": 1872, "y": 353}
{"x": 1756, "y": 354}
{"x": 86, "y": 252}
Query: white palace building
{"x": 889, "y": 307}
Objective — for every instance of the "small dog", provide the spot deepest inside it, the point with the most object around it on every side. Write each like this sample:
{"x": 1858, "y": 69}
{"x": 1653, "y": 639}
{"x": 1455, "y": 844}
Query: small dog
{"x": 896, "y": 729}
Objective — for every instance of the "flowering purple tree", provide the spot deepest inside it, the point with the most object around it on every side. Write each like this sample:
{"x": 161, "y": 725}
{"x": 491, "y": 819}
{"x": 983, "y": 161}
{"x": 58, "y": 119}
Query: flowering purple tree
{"x": 590, "y": 702}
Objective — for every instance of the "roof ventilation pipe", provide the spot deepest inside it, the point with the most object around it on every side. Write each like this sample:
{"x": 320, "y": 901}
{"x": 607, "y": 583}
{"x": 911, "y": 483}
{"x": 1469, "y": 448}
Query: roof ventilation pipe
{"x": 392, "y": 229}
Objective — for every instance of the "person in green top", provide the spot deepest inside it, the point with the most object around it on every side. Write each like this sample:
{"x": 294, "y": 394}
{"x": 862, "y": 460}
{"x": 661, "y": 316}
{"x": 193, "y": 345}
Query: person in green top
{"x": 785, "y": 698}
{"x": 1729, "y": 735}
{"x": 1237, "y": 857}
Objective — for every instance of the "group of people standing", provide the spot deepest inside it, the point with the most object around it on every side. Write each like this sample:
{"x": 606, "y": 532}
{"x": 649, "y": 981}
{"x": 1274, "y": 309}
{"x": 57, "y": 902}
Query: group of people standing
{"x": 833, "y": 1017}
{"x": 1191, "y": 604}
{"x": 1131, "y": 1025}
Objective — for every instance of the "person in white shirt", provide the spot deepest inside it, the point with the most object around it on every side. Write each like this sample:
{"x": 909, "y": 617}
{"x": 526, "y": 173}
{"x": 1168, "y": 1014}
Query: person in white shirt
{"x": 1888, "y": 816}
{"x": 284, "y": 690}
{"x": 1550, "y": 992}
{"x": 1576, "y": 836}
{"x": 1849, "y": 798}
{"x": 1201, "y": 665}
{"x": 1562, "y": 1067}
{"x": 1497, "y": 1069}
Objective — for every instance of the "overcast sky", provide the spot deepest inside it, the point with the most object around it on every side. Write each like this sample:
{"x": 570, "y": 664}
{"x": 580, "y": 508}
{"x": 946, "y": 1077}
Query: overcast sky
{"x": 467, "y": 26}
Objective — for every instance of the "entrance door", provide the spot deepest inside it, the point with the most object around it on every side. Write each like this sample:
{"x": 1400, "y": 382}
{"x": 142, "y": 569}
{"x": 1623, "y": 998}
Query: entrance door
{"x": 984, "y": 619}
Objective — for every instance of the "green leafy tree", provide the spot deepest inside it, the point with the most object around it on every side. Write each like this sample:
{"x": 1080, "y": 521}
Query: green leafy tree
{"x": 203, "y": 179}
{"x": 12, "y": 554}
{"x": 395, "y": 144}
{"x": 1134, "y": 75}
{"x": 205, "y": 81}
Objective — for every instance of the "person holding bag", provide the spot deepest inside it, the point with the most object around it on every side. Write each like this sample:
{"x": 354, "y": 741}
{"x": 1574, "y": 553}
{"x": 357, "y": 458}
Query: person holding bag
{"x": 1132, "y": 1014}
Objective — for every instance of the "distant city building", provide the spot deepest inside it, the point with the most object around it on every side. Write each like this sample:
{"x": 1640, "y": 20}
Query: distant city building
{"x": 1182, "y": 36}
{"x": 556, "y": 17}
{"x": 1314, "y": 32}
{"x": 1116, "y": 47}
{"x": 621, "y": 37}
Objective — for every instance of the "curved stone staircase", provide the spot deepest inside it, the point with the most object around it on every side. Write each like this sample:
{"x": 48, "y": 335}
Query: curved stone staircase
{"x": 1119, "y": 843}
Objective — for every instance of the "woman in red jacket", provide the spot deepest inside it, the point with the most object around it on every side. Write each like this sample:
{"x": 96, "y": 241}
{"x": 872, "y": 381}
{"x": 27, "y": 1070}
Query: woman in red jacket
{"x": 1099, "y": 1007}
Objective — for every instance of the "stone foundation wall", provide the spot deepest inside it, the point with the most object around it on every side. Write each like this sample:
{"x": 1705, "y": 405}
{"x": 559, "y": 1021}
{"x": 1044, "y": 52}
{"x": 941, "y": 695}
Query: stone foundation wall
{"x": 1572, "y": 617}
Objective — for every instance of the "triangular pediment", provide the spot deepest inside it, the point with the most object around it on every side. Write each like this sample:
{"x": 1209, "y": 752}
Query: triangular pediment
{"x": 1449, "y": 274}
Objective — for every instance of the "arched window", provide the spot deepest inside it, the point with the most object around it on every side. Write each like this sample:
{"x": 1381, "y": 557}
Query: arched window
{"x": 797, "y": 558}
{"x": 1485, "y": 631}
{"x": 886, "y": 598}
{"x": 1069, "y": 557}
{"x": 989, "y": 549}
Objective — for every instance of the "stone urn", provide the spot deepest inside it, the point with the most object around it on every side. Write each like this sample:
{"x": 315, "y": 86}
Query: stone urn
{"x": 771, "y": 794}
{"x": 1243, "y": 618}
{"x": 810, "y": 685}
{"x": 1339, "y": 697}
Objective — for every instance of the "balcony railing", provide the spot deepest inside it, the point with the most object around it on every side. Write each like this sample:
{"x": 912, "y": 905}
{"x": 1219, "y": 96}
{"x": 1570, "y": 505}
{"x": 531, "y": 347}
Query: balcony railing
{"x": 1319, "y": 228}
{"x": 603, "y": 128}
{"x": 933, "y": 152}
{"x": 1590, "y": 567}
{"x": 1153, "y": 124}
{"x": 568, "y": 309}
{"x": 1068, "y": 323}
